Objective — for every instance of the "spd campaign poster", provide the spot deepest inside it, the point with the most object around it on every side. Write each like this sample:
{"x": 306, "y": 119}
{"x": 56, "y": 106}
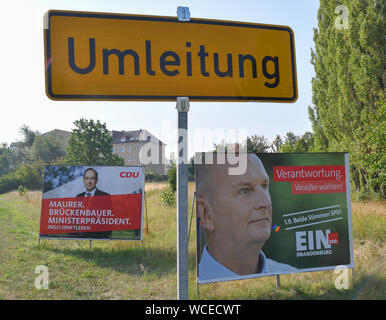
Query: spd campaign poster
{"x": 287, "y": 213}
{"x": 92, "y": 202}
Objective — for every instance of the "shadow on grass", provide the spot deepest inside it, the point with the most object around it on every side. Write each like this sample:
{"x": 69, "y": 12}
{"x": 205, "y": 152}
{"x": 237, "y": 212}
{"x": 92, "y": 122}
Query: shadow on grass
{"x": 135, "y": 261}
{"x": 368, "y": 288}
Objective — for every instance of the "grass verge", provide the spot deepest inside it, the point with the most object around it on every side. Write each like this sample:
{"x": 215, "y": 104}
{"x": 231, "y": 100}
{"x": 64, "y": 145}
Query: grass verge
{"x": 147, "y": 270}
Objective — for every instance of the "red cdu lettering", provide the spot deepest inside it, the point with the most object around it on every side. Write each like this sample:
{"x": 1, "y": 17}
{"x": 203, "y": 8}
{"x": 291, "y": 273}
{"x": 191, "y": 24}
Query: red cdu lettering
{"x": 129, "y": 174}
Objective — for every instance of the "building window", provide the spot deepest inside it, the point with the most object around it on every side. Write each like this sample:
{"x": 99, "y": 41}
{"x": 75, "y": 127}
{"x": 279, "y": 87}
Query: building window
{"x": 135, "y": 148}
{"x": 128, "y": 148}
{"x": 122, "y": 148}
{"x": 128, "y": 158}
{"x": 135, "y": 158}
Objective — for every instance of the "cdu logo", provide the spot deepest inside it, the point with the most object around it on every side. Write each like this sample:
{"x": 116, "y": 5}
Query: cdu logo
{"x": 129, "y": 174}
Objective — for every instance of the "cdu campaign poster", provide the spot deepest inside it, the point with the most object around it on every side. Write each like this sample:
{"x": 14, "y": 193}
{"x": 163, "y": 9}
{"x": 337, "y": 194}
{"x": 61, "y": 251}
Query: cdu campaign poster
{"x": 92, "y": 202}
{"x": 287, "y": 213}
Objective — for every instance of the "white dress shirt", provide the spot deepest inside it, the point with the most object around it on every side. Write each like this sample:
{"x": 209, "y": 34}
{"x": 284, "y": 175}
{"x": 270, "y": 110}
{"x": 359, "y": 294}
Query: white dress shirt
{"x": 210, "y": 269}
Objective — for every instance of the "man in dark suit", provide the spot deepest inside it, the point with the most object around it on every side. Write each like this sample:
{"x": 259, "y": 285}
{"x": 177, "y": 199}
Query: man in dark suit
{"x": 90, "y": 180}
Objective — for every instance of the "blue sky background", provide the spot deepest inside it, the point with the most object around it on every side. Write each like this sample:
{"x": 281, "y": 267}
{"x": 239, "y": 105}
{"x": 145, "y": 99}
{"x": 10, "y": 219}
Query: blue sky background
{"x": 23, "y": 98}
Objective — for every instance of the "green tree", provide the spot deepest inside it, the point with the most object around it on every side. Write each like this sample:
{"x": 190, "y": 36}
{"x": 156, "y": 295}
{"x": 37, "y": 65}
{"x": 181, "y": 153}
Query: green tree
{"x": 290, "y": 140}
{"x": 5, "y": 159}
{"x": 91, "y": 144}
{"x": 20, "y": 152}
{"x": 374, "y": 160}
{"x": 349, "y": 85}
{"x": 172, "y": 177}
{"x": 12, "y": 158}
{"x": 254, "y": 144}
{"x": 257, "y": 144}
{"x": 20, "y": 155}
{"x": 47, "y": 149}
{"x": 28, "y": 136}
{"x": 277, "y": 143}
{"x": 305, "y": 143}
{"x": 31, "y": 175}
{"x": 168, "y": 197}
{"x": 27, "y": 175}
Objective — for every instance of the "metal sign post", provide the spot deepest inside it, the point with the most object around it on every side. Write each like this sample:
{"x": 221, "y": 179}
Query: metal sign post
{"x": 182, "y": 199}
{"x": 183, "y": 15}
{"x": 278, "y": 281}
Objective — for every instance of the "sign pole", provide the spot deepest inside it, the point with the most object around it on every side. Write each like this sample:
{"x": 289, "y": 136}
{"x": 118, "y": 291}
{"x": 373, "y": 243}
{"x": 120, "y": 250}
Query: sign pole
{"x": 277, "y": 281}
{"x": 182, "y": 199}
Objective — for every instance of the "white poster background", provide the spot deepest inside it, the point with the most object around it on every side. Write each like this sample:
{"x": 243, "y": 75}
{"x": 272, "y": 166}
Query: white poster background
{"x": 109, "y": 180}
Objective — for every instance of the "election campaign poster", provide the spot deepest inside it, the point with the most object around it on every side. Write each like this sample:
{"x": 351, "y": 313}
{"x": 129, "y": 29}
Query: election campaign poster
{"x": 92, "y": 202}
{"x": 285, "y": 213}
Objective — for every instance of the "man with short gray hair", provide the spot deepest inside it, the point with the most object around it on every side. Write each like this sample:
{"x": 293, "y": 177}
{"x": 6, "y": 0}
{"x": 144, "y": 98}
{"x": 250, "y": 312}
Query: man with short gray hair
{"x": 235, "y": 212}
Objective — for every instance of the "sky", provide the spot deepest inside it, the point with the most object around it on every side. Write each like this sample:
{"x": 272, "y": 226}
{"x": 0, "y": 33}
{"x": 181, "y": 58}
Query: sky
{"x": 24, "y": 101}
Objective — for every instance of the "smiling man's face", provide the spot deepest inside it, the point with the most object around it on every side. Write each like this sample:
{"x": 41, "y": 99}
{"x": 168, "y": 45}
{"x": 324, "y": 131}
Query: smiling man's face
{"x": 90, "y": 180}
{"x": 242, "y": 204}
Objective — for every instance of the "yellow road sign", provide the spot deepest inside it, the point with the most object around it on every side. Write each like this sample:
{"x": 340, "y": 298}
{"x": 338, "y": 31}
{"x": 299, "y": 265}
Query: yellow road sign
{"x": 106, "y": 56}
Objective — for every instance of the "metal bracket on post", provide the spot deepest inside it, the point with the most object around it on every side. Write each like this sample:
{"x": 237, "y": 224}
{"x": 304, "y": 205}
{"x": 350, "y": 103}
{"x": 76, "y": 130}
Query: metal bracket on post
{"x": 183, "y": 14}
{"x": 182, "y": 199}
{"x": 183, "y": 104}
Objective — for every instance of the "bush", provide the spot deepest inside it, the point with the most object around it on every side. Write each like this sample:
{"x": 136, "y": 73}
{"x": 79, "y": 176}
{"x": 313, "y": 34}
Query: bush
{"x": 168, "y": 197}
{"x": 172, "y": 178}
{"x": 31, "y": 176}
{"x": 28, "y": 175}
{"x": 22, "y": 190}
{"x": 9, "y": 182}
{"x": 359, "y": 195}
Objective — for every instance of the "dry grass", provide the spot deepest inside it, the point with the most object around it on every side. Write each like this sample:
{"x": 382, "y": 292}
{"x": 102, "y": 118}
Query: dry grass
{"x": 33, "y": 197}
{"x": 370, "y": 220}
{"x": 149, "y": 186}
{"x": 375, "y": 208}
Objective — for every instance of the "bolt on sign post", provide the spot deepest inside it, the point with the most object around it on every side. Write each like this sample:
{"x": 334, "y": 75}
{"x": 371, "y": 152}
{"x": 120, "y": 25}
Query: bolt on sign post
{"x": 113, "y": 57}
